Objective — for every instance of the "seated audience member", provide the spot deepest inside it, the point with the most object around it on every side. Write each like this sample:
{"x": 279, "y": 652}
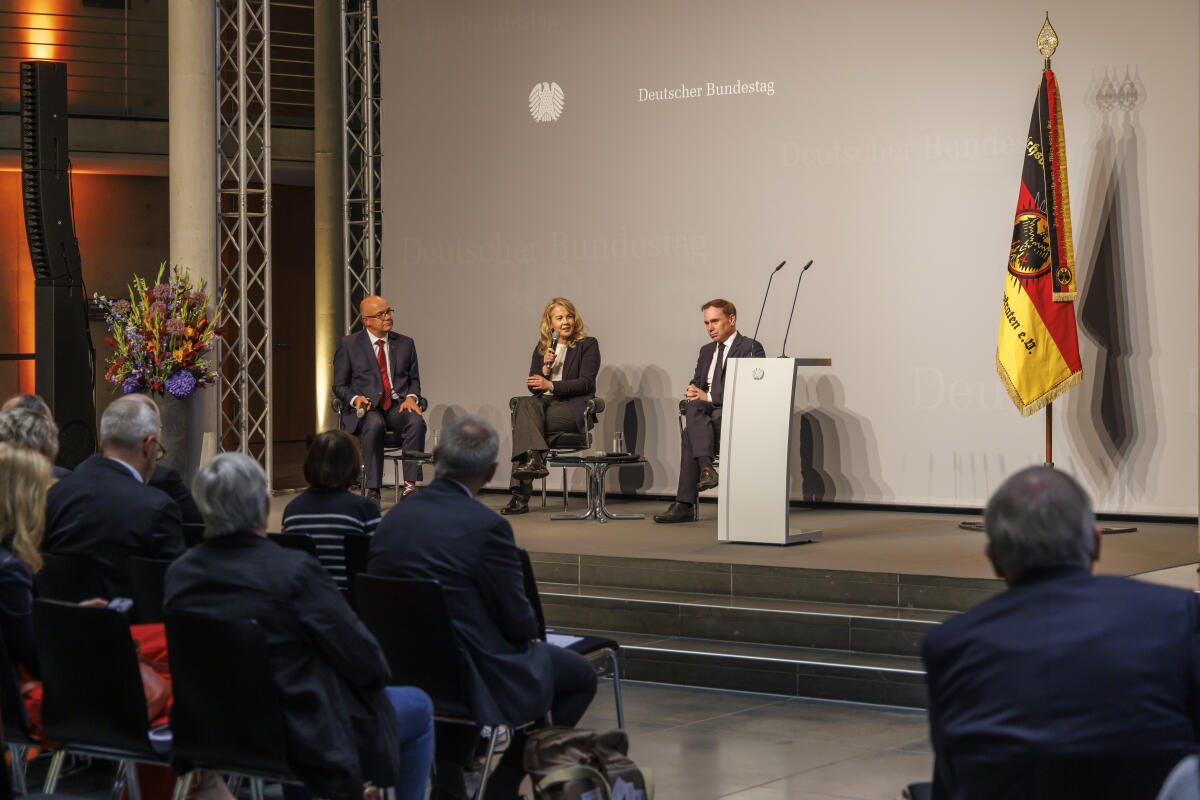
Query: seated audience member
{"x": 170, "y": 482}
{"x": 104, "y": 510}
{"x": 24, "y": 477}
{"x": 1067, "y": 684}
{"x": 444, "y": 534}
{"x": 34, "y": 403}
{"x": 31, "y": 430}
{"x": 327, "y": 511}
{"x": 344, "y": 725}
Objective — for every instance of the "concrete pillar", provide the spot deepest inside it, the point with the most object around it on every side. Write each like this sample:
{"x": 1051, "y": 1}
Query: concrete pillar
{"x": 329, "y": 289}
{"x": 192, "y": 111}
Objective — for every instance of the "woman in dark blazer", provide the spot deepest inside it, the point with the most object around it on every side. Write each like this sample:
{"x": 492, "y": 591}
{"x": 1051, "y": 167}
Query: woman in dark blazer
{"x": 562, "y": 378}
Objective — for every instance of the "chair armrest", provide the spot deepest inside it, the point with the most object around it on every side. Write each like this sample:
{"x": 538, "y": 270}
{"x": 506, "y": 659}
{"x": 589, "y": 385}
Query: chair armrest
{"x": 512, "y": 404}
{"x": 336, "y": 403}
{"x": 422, "y": 403}
{"x": 682, "y": 406}
{"x": 594, "y": 406}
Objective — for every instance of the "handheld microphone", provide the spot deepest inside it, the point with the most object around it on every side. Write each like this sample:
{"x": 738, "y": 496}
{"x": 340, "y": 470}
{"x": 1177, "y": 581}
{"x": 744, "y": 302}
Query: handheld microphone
{"x": 804, "y": 269}
{"x": 360, "y": 412}
{"x": 767, "y": 292}
{"x": 554, "y": 339}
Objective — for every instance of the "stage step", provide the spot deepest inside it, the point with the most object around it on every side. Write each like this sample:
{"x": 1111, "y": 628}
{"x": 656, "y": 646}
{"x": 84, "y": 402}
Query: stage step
{"x": 791, "y": 623}
{"x": 774, "y": 669}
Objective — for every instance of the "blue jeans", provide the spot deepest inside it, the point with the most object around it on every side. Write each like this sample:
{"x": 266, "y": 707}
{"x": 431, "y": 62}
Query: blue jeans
{"x": 414, "y": 718}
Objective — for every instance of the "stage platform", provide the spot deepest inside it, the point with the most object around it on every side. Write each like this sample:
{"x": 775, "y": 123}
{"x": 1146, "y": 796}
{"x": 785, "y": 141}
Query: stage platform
{"x": 839, "y": 619}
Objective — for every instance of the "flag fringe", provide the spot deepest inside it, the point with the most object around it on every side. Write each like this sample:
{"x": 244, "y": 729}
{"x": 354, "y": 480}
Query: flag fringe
{"x": 1064, "y": 297}
{"x": 1072, "y": 380}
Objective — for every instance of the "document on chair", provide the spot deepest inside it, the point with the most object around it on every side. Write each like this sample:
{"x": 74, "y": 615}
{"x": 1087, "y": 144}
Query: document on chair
{"x": 562, "y": 639}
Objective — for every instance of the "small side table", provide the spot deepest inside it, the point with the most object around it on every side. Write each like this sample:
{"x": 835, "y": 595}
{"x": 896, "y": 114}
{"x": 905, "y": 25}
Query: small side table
{"x": 597, "y": 466}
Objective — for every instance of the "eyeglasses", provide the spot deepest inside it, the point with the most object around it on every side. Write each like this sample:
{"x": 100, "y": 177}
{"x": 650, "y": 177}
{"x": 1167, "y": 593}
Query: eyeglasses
{"x": 387, "y": 312}
{"x": 162, "y": 451}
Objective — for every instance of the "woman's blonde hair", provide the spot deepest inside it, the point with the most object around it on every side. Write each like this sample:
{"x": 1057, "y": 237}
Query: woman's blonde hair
{"x": 24, "y": 478}
{"x": 545, "y": 329}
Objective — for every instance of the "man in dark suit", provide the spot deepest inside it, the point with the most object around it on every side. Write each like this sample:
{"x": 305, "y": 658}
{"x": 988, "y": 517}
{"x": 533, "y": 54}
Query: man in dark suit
{"x": 343, "y": 724}
{"x": 444, "y": 534}
{"x": 104, "y": 511}
{"x": 375, "y": 376}
{"x": 1067, "y": 684}
{"x": 702, "y": 413}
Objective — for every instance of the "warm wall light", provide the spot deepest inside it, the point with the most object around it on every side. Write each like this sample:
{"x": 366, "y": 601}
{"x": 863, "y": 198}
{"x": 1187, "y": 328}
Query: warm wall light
{"x": 42, "y": 29}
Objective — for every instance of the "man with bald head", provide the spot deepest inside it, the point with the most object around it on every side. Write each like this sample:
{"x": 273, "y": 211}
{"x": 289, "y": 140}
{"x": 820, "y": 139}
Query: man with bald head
{"x": 375, "y": 376}
{"x": 1067, "y": 684}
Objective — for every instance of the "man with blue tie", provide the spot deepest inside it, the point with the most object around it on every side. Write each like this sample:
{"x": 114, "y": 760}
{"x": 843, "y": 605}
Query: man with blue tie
{"x": 702, "y": 412}
{"x": 375, "y": 375}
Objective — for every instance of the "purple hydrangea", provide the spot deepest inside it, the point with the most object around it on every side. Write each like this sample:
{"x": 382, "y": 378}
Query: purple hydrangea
{"x": 158, "y": 307}
{"x": 130, "y": 385}
{"x": 121, "y": 307}
{"x": 181, "y": 383}
{"x": 161, "y": 290}
{"x": 175, "y": 326}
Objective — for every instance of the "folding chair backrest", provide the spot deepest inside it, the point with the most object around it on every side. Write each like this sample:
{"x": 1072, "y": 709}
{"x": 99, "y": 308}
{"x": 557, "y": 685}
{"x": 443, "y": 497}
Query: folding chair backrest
{"x": 147, "y": 576}
{"x": 411, "y": 622}
{"x": 227, "y": 711}
{"x": 295, "y": 541}
{"x": 92, "y": 685}
{"x": 69, "y": 578}
{"x": 17, "y": 727}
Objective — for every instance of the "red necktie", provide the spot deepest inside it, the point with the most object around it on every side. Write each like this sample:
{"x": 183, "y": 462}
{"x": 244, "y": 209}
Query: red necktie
{"x": 383, "y": 373}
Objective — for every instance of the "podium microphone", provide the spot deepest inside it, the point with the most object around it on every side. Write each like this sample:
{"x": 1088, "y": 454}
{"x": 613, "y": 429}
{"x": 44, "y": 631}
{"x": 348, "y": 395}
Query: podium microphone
{"x": 804, "y": 269}
{"x": 767, "y": 292}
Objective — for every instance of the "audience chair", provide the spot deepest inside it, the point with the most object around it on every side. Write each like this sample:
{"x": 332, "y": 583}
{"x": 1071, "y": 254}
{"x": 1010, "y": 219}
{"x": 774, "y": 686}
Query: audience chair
{"x": 69, "y": 578}
{"x": 571, "y": 442}
{"x": 357, "y": 548}
{"x": 716, "y": 454}
{"x": 411, "y": 622}
{"x": 602, "y": 652}
{"x": 295, "y": 541}
{"x": 18, "y": 731}
{"x": 148, "y": 577}
{"x": 393, "y": 448}
{"x": 226, "y": 716}
{"x": 93, "y": 699}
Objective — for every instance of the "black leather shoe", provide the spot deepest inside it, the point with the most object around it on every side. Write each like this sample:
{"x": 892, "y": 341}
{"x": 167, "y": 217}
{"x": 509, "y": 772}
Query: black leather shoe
{"x": 374, "y": 496}
{"x": 676, "y": 512}
{"x": 707, "y": 480}
{"x": 532, "y": 468}
{"x": 516, "y": 505}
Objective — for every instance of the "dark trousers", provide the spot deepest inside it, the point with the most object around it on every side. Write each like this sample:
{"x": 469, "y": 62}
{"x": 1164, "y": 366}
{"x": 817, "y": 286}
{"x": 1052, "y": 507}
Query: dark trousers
{"x": 410, "y": 426}
{"x": 535, "y": 419}
{"x": 574, "y": 688}
{"x": 697, "y": 441}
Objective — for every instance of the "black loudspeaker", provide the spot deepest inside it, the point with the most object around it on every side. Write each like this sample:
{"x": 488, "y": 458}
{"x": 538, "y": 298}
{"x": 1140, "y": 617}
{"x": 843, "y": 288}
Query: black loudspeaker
{"x": 64, "y": 365}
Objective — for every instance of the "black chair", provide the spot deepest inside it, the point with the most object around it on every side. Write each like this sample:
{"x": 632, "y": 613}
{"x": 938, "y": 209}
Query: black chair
{"x": 227, "y": 715}
{"x": 295, "y": 541}
{"x": 411, "y": 622}
{"x": 567, "y": 442}
{"x": 357, "y": 548}
{"x": 69, "y": 578}
{"x": 148, "y": 577}
{"x": 601, "y": 651}
{"x": 393, "y": 448}
{"x": 18, "y": 731}
{"x": 93, "y": 700}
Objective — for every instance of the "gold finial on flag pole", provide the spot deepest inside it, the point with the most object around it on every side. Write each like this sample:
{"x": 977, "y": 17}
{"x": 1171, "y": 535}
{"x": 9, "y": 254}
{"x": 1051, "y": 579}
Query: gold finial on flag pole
{"x": 1047, "y": 40}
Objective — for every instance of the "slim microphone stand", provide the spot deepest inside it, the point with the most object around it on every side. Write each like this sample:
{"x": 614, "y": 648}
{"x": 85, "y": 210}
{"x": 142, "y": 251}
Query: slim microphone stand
{"x": 804, "y": 269}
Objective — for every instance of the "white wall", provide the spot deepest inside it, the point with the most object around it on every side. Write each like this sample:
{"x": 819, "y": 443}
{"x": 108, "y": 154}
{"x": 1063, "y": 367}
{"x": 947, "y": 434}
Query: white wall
{"x": 889, "y": 152}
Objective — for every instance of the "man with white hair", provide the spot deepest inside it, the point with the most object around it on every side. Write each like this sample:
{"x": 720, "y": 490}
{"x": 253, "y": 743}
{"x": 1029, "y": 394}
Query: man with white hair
{"x": 104, "y": 511}
{"x": 1067, "y": 685}
{"x": 343, "y": 724}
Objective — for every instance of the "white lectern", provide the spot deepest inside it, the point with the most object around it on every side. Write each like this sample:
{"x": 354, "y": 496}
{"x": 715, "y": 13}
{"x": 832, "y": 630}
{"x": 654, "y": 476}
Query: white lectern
{"x": 756, "y": 433}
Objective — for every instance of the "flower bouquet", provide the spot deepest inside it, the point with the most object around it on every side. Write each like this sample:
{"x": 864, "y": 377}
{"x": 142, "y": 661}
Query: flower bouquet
{"x": 160, "y": 335}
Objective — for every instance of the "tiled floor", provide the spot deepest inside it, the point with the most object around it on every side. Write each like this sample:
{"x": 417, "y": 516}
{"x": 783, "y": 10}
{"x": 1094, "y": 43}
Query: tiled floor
{"x": 705, "y": 744}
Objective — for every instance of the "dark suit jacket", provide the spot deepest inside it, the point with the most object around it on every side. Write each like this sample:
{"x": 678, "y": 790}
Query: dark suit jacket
{"x": 578, "y": 384}
{"x": 171, "y": 482}
{"x": 742, "y": 347}
{"x": 330, "y": 671}
{"x": 443, "y": 534}
{"x": 101, "y": 511}
{"x": 356, "y": 372}
{"x": 1063, "y": 667}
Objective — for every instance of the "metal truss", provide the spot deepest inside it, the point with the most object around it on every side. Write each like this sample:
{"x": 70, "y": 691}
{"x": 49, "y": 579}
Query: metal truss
{"x": 362, "y": 209}
{"x": 244, "y": 225}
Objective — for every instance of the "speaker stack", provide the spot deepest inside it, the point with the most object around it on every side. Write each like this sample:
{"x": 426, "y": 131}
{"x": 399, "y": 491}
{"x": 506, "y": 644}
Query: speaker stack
{"x": 64, "y": 364}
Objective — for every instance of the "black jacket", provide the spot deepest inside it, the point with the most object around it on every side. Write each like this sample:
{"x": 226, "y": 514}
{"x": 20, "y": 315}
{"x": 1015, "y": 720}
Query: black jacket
{"x": 330, "y": 671}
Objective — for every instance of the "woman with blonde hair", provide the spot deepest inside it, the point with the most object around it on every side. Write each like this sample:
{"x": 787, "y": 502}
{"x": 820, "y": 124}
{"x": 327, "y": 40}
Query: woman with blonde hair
{"x": 562, "y": 378}
{"x": 24, "y": 477}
